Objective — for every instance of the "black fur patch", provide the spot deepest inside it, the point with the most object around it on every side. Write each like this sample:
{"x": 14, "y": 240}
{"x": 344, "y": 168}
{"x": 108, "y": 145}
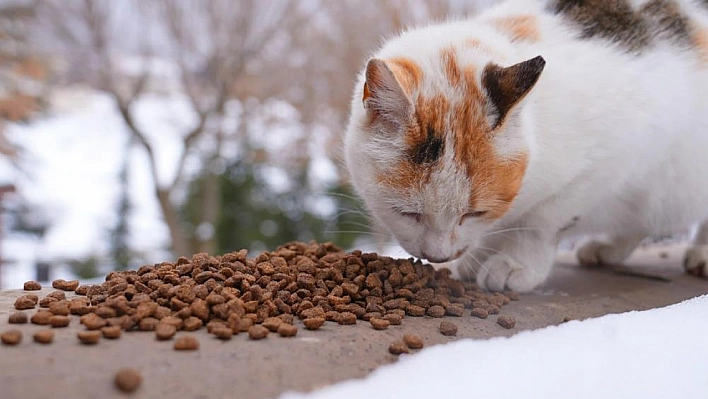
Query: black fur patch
{"x": 632, "y": 29}
{"x": 430, "y": 150}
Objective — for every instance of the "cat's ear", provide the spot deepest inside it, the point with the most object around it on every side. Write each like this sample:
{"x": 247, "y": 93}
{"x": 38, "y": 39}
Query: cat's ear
{"x": 505, "y": 87}
{"x": 384, "y": 98}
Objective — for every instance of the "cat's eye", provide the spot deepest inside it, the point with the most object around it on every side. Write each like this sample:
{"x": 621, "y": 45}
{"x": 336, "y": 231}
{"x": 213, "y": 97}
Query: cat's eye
{"x": 412, "y": 215}
{"x": 472, "y": 215}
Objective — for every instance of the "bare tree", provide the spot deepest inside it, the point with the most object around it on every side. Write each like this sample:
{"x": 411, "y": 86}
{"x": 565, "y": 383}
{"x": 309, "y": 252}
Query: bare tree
{"x": 212, "y": 42}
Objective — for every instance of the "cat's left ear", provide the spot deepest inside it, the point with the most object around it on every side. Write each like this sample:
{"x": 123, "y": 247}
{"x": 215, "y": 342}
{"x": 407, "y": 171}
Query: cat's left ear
{"x": 506, "y": 87}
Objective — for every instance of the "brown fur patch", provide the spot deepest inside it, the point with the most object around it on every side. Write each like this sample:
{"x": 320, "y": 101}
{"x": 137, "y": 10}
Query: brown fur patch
{"x": 519, "y": 28}
{"x": 408, "y": 74}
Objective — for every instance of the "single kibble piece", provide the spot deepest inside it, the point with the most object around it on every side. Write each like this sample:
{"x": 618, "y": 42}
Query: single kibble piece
{"x": 257, "y": 332}
{"x": 192, "y": 323}
{"x": 59, "y": 321}
{"x": 379, "y": 324}
{"x": 272, "y": 323}
{"x": 224, "y": 332}
{"x": 65, "y": 285}
{"x": 186, "y": 343}
{"x": 397, "y": 348}
{"x": 456, "y": 311}
{"x": 11, "y": 337}
{"x": 128, "y": 380}
{"x": 436, "y": 311}
{"x": 165, "y": 331}
{"x": 347, "y": 318}
{"x": 82, "y": 290}
{"x": 313, "y": 323}
{"x": 287, "y": 330}
{"x": 111, "y": 332}
{"x": 93, "y": 322}
{"x": 18, "y": 318}
{"x": 89, "y": 337}
{"x": 59, "y": 308}
{"x": 480, "y": 312}
{"x": 32, "y": 286}
{"x": 513, "y": 295}
{"x": 506, "y": 321}
{"x": 148, "y": 324}
{"x": 28, "y": 301}
{"x": 43, "y": 336}
{"x": 42, "y": 317}
{"x": 393, "y": 318}
{"x": 447, "y": 328}
{"x": 413, "y": 341}
{"x": 415, "y": 311}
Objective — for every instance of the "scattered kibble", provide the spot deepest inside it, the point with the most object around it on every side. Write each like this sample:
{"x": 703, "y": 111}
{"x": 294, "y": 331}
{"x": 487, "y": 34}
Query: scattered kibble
{"x": 186, "y": 343}
{"x": 43, "y": 336}
{"x": 32, "y": 286}
{"x": 257, "y": 332}
{"x": 90, "y": 337}
{"x": 379, "y": 324}
{"x": 65, "y": 285}
{"x": 28, "y": 301}
{"x": 447, "y": 328}
{"x": 18, "y": 318}
{"x": 11, "y": 337}
{"x": 506, "y": 321}
{"x": 287, "y": 330}
{"x": 128, "y": 379}
{"x": 413, "y": 341}
{"x": 398, "y": 347}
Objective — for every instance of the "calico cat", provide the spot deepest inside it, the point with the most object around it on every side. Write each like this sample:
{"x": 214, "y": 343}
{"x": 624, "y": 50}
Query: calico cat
{"x": 487, "y": 140}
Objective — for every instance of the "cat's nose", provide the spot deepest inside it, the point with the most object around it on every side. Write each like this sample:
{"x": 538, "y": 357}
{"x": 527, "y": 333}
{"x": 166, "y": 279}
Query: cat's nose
{"x": 434, "y": 259}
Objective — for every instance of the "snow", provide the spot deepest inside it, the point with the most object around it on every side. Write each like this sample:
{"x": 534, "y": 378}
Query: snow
{"x": 660, "y": 353}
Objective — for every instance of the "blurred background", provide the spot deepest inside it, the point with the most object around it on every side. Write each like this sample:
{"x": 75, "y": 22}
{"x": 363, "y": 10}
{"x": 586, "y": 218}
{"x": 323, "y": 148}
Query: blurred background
{"x": 135, "y": 131}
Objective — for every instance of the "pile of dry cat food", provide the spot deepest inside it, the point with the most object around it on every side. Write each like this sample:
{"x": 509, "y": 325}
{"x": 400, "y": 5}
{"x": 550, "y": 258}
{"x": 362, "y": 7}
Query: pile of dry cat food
{"x": 231, "y": 294}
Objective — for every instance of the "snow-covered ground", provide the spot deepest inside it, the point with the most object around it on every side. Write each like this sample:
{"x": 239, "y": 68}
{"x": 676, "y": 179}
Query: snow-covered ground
{"x": 659, "y": 353}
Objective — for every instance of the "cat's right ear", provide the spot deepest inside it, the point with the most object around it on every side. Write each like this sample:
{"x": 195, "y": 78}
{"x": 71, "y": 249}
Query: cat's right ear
{"x": 506, "y": 87}
{"x": 384, "y": 98}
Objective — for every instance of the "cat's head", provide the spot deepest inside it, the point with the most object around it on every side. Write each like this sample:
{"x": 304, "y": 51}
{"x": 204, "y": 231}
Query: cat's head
{"x": 438, "y": 152}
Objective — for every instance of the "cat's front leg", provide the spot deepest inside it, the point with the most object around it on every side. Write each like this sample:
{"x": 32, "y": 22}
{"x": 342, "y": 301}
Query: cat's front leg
{"x": 519, "y": 261}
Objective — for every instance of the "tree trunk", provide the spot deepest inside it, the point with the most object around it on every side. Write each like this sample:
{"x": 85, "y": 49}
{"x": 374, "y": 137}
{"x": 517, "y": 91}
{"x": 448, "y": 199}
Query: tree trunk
{"x": 180, "y": 246}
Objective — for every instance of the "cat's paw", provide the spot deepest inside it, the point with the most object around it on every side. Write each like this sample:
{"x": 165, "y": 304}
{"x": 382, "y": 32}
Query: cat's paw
{"x": 500, "y": 272}
{"x": 595, "y": 253}
{"x": 695, "y": 261}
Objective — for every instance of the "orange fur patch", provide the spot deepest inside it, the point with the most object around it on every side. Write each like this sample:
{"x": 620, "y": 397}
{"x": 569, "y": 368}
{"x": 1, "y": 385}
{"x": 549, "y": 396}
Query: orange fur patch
{"x": 700, "y": 42}
{"x": 450, "y": 66}
{"x": 407, "y": 73}
{"x": 519, "y": 28}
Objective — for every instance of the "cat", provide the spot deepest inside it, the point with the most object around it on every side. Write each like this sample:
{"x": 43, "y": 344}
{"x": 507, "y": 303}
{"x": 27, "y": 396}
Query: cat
{"x": 486, "y": 141}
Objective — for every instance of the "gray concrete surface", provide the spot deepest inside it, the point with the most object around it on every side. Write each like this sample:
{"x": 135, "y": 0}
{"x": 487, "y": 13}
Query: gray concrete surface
{"x": 245, "y": 369}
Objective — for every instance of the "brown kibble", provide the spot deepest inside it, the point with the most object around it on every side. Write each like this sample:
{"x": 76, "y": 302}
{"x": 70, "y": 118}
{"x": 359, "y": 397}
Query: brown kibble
{"x": 128, "y": 380}
{"x": 398, "y": 347}
{"x": 436, "y": 311}
{"x": 506, "y": 321}
{"x": 186, "y": 343}
{"x": 11, "y": 337}
{"x": 379, "y": 324}
{"x": 82, "y": 290}
{"x": 58, "y": 295}
{"x": 59, "y": 321}
{"x": 456, "y": 311}
{"x": 222, "y": 332}
{"x": 18, "y": 318}
{"x": 287, "y": 330}
{"x": 512, "y": 295}
{"x": 164, "y": 331}
{"x": 65, "y": 285}
{"x": 258, "y": 332}
{"x": 413, "y": 341}
{"x": 415, "y": 311}
{"x": 59, "y": 308}
{"x": 272, "y": 323}
{"x": 89, "y": 337}
{"x": 32, "y": 286}
{"x": 245, "y": 324}
{"x": 93, "y": 322}
{"x": 393, "y": 318}
{"x": 28, "y": 301}
{"x": 192, "y": 323}
{"x": 43, "y": 336}
{"x": 447, "y": 328}
{"x": 313, "y": 323}
{"x": 480, "y": 312}
{"x": 148, "y": 324}
{"x": 42, "y": 317}
{"x": 347, "y": 318}
{"x": 111, "y": 332}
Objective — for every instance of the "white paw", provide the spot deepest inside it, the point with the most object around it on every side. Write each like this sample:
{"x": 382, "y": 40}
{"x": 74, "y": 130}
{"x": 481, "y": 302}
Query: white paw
{"x": 596, "y": 253}
{"x": 695, "y": 261}
{"x": 499, "y": 272}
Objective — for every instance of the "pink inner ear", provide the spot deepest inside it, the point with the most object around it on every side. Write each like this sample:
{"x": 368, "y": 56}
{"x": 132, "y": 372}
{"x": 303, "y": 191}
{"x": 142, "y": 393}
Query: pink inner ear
{"x": 367, "y": 93}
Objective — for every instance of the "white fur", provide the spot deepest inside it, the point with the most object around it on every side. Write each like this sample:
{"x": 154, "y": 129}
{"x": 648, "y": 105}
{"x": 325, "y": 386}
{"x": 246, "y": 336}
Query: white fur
{"x": 617, "y": 146}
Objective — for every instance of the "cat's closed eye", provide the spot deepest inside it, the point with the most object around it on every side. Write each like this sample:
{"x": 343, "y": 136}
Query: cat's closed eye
{"x": 412, "y": 215}
{"x": 471, "y": 215}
